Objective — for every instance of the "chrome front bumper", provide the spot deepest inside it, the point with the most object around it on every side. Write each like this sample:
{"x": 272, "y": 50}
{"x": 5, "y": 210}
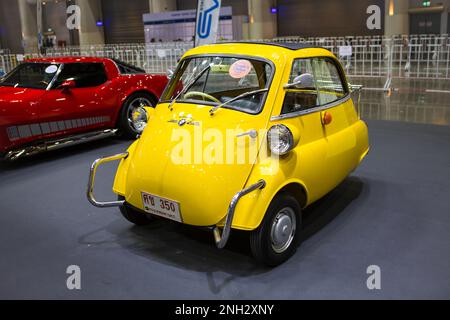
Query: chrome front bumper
{"x": 93, "y": 172}
{"x": 221, "y": 239}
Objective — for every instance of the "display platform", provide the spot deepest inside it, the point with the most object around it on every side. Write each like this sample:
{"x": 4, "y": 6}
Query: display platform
{"x": 392, "y": 213}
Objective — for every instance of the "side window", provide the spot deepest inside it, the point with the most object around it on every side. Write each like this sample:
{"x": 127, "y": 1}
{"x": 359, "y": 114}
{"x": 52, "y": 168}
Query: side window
{"x": 326, "y": 86}
{"x": 304, "y": 98}
{"x": 125, "y": 68}
{"x": 85, "y": 74}
{"x": 328, "y": 79}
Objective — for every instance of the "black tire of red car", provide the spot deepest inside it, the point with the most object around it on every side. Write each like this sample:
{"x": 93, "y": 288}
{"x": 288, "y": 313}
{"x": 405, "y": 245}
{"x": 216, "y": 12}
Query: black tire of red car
{"x": 136, "y": 217}
{"x": 126, "y": 127}
{"x": 278, "y": 236}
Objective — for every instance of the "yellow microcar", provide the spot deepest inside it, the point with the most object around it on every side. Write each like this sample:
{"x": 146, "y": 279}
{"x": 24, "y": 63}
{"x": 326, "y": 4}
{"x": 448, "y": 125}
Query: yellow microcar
{"x": 244, "y": 137}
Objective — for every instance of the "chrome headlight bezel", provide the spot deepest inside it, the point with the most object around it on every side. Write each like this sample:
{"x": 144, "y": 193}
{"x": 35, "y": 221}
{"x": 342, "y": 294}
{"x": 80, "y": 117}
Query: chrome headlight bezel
{"x": 280, "y": 139}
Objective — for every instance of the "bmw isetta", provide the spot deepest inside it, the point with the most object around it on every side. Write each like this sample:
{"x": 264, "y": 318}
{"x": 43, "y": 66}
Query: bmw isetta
{"x": 245, "y": 136}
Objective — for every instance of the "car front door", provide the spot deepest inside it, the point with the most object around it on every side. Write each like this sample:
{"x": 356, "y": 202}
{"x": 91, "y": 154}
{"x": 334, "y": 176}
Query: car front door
{"x": 85, "y": 106}
{"x": 337, "y": 115}
{"x": 321, "y": 111}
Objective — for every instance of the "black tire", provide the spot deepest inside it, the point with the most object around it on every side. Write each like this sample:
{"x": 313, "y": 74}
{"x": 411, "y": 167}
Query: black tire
{"x": 263, "y": 246}
{"x": 126, "y": 128}
{"x": 136, "y": 217}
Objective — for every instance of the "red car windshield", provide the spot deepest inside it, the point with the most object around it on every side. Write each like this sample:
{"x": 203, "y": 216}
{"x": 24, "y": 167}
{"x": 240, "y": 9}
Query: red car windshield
{"x": 31, "y": 75}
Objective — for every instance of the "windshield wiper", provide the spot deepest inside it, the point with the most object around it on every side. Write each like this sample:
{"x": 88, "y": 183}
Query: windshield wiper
{"x": 188, "y": 86}
{"x": 244, "y": 95}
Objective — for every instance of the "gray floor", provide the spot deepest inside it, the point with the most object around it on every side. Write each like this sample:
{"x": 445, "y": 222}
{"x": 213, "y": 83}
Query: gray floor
{"x": 392, "y": 212}
{"x": 417, "y": 101}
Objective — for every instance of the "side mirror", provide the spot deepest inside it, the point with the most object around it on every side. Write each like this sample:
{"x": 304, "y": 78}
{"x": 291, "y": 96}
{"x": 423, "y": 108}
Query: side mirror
{"x": 67, "y": 85}
{"x": 303, "y": 81}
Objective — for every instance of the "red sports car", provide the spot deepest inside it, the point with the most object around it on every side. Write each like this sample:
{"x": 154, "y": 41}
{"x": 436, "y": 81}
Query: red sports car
{"x": 49, "y": 103}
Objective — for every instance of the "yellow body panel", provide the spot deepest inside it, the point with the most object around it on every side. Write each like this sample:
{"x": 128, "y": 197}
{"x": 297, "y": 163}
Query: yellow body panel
{"x": 323, "y": 157}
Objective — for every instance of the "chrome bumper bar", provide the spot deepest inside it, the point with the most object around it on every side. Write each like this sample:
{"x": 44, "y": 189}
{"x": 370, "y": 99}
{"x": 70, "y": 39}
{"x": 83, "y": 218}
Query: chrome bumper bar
{"x": 93, "y": 172}
{"x": 355, "y": 88}
{"x": 222, "y": 238}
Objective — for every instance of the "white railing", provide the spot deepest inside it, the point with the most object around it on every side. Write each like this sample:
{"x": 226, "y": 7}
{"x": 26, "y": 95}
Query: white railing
{"x": 153, "y": 58}
{"x": 417, "y": 57}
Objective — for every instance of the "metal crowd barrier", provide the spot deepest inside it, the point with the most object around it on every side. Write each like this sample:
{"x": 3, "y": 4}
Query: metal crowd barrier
{"x": 404, "y": 57}
{"x": 412, "y": 56}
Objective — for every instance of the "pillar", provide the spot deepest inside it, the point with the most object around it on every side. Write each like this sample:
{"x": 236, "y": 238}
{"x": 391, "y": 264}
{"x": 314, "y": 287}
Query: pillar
{"x": 91, "y": 12}
{"x": 28, "y": 24}
{"x": 444, "y": 16}
{"x": 396, "y": 17}
{"x": 157, "y": 6}
{"x": 262, "y": 23}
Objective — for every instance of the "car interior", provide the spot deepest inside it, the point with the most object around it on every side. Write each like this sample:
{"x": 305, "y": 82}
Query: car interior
{"x": 217, "y": 85}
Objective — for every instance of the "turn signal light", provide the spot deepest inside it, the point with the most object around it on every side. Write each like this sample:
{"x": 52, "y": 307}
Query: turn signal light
{"x": 327, "y": 118}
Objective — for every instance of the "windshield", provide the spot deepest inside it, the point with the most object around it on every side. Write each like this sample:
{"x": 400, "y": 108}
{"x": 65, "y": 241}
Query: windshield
{"x": 31, "y": 75}
{"x": 217, "y": 80}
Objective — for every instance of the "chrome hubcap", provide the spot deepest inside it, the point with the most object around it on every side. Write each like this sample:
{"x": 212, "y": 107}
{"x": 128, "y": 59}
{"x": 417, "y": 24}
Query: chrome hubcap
{"x": 283, "y": 230}
{"x": 137, "y": 116}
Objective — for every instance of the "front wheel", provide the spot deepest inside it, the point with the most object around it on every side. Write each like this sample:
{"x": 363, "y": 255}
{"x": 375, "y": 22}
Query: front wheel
{"x": 133, "y": 117}
{"x": 276, "y": 240}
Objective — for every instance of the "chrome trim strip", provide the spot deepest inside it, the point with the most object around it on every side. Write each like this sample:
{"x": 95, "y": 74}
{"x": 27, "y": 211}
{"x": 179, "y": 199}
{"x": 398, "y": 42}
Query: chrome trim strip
{"x": 58, "y": 144}
{"x": 91, "y": 182}
{"x": 312, "y": 110}
{"x": 222, "y": 239}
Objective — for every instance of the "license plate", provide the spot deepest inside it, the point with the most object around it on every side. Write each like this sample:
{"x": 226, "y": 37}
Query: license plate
{"x": 161, "y": 207}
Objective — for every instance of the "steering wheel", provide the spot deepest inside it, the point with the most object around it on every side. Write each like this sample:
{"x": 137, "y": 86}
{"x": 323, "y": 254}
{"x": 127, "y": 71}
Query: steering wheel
{"x": 205, "y": 96}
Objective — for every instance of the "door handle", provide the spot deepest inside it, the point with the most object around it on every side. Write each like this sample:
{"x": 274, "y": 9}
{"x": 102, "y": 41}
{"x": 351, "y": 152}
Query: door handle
{"x": 252, "y": 133}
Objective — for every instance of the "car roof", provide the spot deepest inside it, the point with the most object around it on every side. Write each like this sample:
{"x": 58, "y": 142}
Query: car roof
{"x": 277, "y": 52}
{"x": 70, "y": 59}
{"x": 287, "y": 45}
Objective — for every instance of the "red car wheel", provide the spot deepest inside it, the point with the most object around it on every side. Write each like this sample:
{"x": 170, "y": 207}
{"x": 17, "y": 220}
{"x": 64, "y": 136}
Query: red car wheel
{"x": 133, "y": 118}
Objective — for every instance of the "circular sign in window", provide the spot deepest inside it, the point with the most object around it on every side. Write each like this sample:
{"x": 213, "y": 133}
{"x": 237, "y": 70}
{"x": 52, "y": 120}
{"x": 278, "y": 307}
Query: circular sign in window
{"x": 240, "y": 69}
{"x": 51, "y": 69}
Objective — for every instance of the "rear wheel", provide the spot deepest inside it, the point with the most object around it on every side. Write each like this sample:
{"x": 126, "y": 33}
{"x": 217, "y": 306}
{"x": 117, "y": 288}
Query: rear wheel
{"x": 136, "y": 217}
{"x": 276, "y": 240}
{"x": 133, "y": 118}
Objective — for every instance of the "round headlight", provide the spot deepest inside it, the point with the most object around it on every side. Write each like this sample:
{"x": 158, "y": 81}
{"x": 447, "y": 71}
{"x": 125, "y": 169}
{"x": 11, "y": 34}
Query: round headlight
{"x": 280, "y": 139}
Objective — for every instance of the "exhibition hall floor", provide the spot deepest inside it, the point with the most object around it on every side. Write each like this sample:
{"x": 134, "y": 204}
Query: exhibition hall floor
{"x": 392, "y": 212}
